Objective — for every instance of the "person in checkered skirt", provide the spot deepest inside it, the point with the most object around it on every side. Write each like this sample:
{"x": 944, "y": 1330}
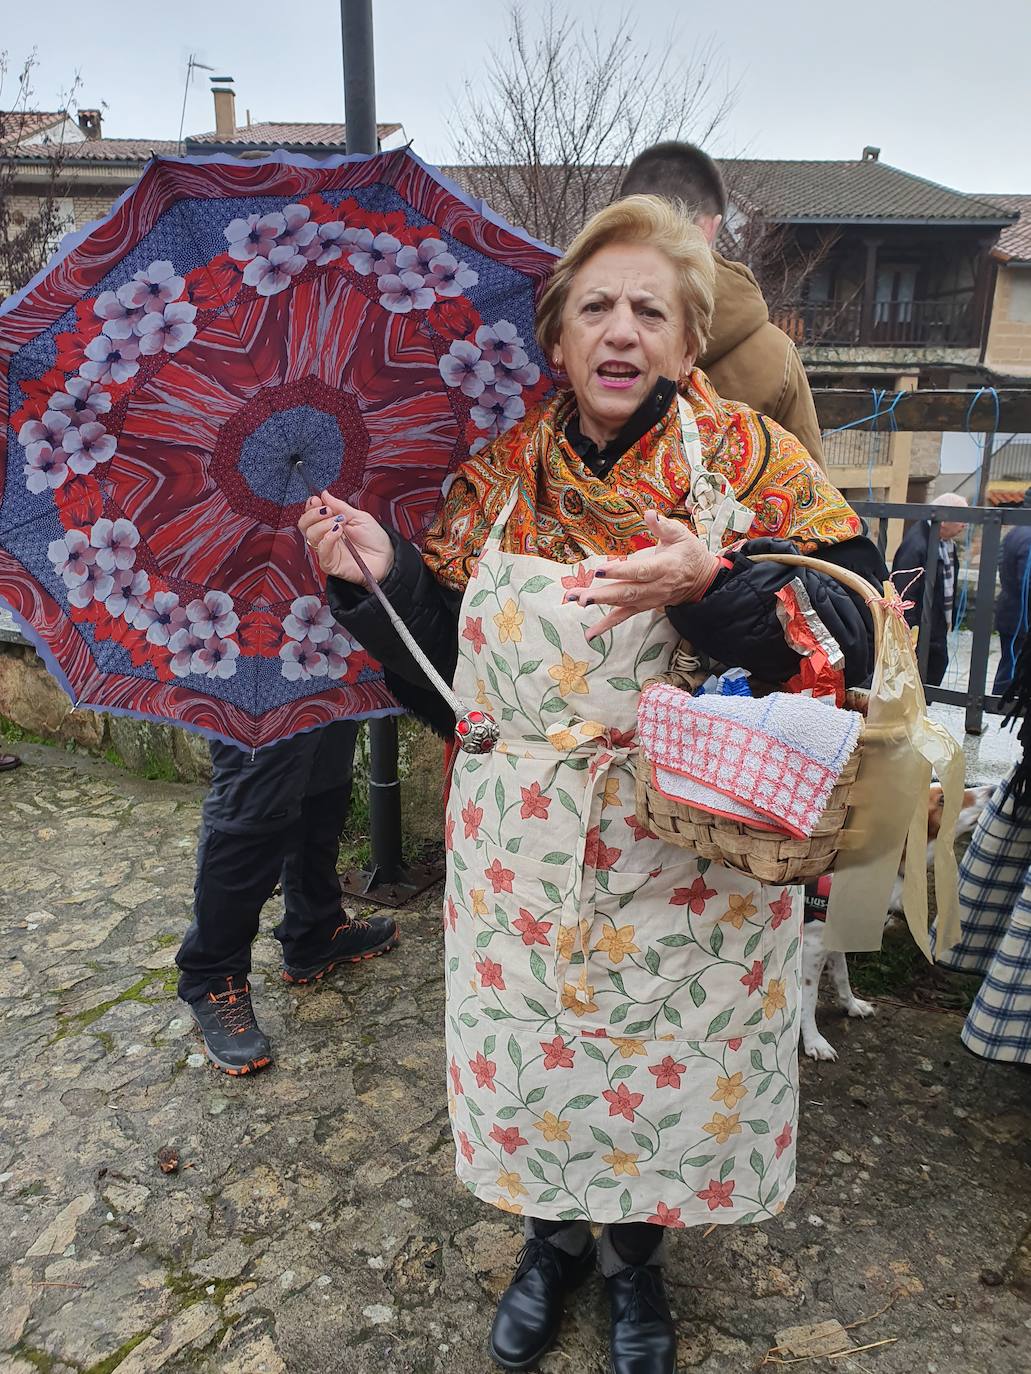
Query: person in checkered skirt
{"x": 995, "y": 899}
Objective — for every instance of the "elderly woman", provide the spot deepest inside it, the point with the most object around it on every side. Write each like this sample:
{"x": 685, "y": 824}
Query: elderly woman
{"x": 621, "y": 1033}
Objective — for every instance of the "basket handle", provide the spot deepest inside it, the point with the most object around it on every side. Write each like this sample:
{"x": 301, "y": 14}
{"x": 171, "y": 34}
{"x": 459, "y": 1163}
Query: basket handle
{"x": 869, "y": 593}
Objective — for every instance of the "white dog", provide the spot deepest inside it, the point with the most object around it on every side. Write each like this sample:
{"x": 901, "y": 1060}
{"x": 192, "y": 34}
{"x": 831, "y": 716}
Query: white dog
{"x": 815, "y": 957}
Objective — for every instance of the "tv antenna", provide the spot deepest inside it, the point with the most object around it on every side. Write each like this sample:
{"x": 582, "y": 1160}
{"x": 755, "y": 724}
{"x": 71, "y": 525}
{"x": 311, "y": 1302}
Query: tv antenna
{"x": 191, "y": 66}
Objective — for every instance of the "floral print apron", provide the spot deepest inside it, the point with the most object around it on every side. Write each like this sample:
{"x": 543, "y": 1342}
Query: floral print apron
{"x": 621, "y": 1016}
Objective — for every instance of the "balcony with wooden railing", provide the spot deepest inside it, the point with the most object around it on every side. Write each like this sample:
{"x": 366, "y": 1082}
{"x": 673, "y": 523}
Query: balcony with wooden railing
{"x": 946, "y": 322}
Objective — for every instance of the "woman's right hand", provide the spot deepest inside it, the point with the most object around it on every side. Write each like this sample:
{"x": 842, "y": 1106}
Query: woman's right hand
{"x": 319, "y": 525}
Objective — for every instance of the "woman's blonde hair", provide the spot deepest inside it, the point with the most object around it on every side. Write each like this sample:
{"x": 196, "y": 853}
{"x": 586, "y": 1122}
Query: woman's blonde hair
{"x": 637, "y": 219}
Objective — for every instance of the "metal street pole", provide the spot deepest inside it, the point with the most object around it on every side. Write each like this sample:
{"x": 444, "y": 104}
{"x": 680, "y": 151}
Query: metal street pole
{"x": 388, "y": 881}
{"x": 985, "y": 475}
{"x": 359, "y": 76}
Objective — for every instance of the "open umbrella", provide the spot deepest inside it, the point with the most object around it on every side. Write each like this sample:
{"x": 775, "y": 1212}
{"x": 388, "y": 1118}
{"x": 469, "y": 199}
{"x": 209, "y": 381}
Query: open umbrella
{"x": 233, "y": 335}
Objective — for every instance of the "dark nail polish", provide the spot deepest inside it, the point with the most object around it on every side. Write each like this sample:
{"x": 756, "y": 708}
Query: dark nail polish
{"x": 323, "y": 510}
{"x": 600, "y": 572}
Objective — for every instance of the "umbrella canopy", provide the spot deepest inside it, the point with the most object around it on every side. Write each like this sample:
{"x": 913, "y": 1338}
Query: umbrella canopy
{"x": 234, "y": 334}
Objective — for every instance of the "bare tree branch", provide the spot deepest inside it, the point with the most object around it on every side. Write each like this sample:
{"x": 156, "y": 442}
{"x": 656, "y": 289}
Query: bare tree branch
{"x": 31, "y": 215}
{"x": 782, "y": 260}
{"x": 561, "y": 108}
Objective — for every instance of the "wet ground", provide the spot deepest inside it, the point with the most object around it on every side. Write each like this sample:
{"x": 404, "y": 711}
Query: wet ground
{"x": 314, "y": 1224}
{"x": 990, "y": 755}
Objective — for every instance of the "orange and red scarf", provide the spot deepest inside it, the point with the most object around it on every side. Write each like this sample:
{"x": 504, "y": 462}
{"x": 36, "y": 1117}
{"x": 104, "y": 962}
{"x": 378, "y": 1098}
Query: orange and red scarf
{"x": 565, "y": 513}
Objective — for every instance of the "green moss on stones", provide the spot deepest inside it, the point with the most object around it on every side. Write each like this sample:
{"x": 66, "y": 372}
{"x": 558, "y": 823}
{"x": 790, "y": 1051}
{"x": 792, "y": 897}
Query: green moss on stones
{"x": 189, "y": 1289}
{"x": 112, "y": 1361}
{"x": 80, "y": 1021}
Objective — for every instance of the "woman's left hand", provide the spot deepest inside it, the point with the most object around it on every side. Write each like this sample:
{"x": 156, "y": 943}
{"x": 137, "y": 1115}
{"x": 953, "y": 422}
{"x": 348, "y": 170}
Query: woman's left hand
{"x": 679, "y": 568}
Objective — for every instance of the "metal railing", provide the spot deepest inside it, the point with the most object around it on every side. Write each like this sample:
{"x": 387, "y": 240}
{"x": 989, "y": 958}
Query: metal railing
{"x": 1011, "y": 462}
{"x": 948, "y": 321}
{"x": 857, "y": 448}
{"x": 821, "y": 322}
{"x": 991, "y": 521}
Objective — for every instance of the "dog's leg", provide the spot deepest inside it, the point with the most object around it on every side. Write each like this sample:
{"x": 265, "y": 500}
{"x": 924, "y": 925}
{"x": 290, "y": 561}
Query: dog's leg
{"x": 851, "y": 1003}
{"x": 814, "y": 956}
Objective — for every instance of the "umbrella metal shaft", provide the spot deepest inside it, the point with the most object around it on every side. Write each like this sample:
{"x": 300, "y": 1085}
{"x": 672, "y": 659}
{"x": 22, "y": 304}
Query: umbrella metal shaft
{"x": 403, "y": 632}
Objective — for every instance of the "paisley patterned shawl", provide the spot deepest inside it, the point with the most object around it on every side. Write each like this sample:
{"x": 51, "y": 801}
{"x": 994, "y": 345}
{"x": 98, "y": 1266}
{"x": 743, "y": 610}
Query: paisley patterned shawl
{"x": 565, "y": 513}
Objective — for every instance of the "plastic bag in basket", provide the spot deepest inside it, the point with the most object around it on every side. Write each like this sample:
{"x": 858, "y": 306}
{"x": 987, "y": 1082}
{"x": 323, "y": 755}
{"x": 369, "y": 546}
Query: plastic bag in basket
{"x": 901, "y": 747}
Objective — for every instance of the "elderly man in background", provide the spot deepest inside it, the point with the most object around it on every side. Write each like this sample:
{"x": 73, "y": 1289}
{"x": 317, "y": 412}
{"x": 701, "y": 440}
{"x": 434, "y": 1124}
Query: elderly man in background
{"x": 912, "y": 554}
{"x": 747, "y": 358}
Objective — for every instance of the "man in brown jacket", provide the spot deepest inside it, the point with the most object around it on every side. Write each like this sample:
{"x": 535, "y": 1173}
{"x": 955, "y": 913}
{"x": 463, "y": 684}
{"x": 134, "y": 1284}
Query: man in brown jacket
{"x": 748, "y": 358}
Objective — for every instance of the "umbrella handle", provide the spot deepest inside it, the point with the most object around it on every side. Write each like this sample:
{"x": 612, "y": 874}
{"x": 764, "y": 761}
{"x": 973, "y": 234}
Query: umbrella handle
{"x": 476, "y": 731}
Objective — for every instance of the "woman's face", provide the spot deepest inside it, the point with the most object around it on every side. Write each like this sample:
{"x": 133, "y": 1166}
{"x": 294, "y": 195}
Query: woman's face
{"x": 622, "y": 329}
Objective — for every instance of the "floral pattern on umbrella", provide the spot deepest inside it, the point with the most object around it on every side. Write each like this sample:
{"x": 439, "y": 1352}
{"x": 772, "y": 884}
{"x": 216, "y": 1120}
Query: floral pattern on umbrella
{"x": 161, "y": 381}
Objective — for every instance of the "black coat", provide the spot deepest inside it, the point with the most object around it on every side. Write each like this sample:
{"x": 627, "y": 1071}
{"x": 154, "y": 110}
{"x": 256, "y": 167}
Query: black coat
{"x": 734, "y": 623}
{"x": 912, "y": 553}
{"x": 1011, "y": 609}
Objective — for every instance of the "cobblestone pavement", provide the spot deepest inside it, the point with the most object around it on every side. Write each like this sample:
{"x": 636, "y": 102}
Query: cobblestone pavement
{"x": 315, "y": 1225}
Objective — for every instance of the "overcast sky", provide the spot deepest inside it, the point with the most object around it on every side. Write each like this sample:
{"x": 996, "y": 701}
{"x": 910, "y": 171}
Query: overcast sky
{"x": 941, "y": 86}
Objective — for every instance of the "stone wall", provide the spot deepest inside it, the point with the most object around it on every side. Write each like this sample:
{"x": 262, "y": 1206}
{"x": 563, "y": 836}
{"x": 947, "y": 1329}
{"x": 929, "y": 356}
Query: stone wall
{"x": 925, "y": 456}
{"x": 1009, "y": 338}
{"x": 32, "y": 700}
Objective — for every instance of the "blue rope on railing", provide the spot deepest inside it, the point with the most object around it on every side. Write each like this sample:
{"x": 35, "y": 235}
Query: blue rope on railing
{"x": 877, "y": 400}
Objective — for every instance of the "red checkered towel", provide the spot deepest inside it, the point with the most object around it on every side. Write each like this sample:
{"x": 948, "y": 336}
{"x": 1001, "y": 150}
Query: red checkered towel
{"x": 771, "y": 761}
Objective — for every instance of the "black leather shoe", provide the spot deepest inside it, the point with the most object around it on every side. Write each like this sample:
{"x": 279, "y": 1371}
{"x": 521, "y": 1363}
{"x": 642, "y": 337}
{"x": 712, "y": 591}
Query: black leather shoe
{"x": 644, "y": 1339}
{"x": 530, "y": 1309}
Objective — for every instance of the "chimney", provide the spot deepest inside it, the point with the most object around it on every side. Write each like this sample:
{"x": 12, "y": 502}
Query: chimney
{"x": 225, "y": 106}
{"x": 871, "y": 154}
{"x": 90, "y": 123}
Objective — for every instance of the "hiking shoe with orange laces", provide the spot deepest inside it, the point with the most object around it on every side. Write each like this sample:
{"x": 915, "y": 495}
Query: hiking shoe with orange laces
{"x": 235, "y": 1042}
{"x": 352, "y": 941}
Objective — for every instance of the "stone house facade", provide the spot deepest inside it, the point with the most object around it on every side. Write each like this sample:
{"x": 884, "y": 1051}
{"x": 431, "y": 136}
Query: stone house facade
{"x": 1008, "y": 347}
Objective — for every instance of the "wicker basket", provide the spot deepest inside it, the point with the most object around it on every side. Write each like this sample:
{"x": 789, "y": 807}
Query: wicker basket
{"x": 763, "y": 854}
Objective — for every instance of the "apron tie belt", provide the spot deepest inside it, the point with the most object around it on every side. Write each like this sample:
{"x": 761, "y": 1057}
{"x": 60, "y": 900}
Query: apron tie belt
{"x": 606, "y": 749}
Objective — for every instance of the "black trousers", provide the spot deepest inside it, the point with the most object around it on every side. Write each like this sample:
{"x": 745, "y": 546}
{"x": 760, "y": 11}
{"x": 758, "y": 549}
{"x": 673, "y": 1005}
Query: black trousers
{"x": 1012, "y": 646}
{"x": 937, "y": 664}
{"x": 272, "y": 816}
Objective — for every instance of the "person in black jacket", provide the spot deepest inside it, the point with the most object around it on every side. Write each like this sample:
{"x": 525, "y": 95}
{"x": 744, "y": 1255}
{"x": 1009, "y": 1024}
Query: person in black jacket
{"x": 1014, "y": 603}
{"x": 912, "y": 555}
{"x": 569, "y": 557}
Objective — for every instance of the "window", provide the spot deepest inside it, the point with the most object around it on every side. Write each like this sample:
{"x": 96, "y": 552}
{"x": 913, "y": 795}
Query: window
{"x": 894, "y": 293}
{"x": 818, "y": 285}
{"x": 63, "y": 223}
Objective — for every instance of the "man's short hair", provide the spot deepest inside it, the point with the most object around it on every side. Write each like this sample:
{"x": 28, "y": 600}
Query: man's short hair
{"x": 679, "y": 172}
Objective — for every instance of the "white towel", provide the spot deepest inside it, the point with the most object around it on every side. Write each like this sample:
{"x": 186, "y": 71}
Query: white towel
{"x": 771, "y": 761}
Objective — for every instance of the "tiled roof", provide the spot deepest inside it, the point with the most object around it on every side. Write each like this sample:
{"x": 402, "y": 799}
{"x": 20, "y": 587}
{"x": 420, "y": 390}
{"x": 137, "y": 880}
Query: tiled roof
{"x": 277, "y": 135}
{"x": 828, "y": 192}
{"x": 1015, "y": 242}
{"x": 22, "y": 125}
{"x": 510, "y": 191}
{"x": 850, "y": 192}
{"x": 120, "y": 149}
{"x": 259, "y": 137}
